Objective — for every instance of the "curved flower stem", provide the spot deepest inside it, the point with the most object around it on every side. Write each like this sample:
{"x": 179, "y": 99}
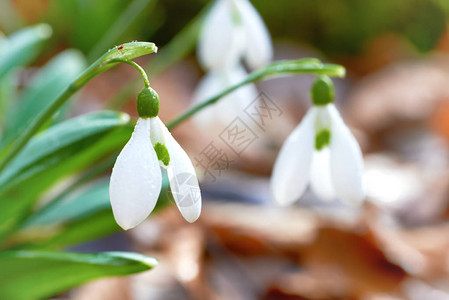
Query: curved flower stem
{"x": 110, "y": 59}
{"x": 138, "y": 67}
{"x": 275, "y": 69}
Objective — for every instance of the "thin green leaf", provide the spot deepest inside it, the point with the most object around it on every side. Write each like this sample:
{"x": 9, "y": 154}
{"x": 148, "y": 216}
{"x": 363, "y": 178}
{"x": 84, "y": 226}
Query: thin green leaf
{"x": 23, "y": 46}
{"x": 46, "y": 86}
{"x": 37, "y": 274}
{"x": 74, "y": 206}
{"x": 57, "y": 143}
{"x": 8, "y": 92}
{"x": 62, "y": 150}
{"x": 78, "y": 217}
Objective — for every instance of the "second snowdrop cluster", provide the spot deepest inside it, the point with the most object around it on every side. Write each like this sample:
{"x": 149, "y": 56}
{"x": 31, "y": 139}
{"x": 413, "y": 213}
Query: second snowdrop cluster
{"x": 232, "y": 32}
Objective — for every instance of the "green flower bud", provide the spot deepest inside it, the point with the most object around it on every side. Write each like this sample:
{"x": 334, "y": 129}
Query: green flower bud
{"x": 322, "y": 91}
{"x": 148, "y": 103}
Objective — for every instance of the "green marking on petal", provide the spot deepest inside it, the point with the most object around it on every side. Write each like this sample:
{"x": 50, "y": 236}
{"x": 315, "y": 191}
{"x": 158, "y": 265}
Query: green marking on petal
{"x": 322, "y": 139}
{"x": 162, "y": 153}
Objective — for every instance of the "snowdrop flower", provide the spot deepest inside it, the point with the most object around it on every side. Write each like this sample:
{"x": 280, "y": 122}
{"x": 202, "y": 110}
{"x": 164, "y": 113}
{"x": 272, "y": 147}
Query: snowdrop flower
{"x": 233, "y": 30}
{"x": 321, "y": 150}
{"x": 136, "y": 177}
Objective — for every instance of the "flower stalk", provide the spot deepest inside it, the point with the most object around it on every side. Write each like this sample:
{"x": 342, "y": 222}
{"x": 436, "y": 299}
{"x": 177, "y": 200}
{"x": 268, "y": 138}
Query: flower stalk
{"x": 273, "y": 70}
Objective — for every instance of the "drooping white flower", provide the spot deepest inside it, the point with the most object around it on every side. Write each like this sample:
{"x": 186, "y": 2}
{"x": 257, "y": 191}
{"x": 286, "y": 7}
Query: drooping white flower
{"x": 136, "y": 177}
{"x": 234, "y": 30}
{"x": 323, "y": 152}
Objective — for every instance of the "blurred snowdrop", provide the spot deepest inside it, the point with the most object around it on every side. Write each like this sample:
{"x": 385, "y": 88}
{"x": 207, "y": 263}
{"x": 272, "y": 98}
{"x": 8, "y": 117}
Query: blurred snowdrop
{"x": 136, "y": 177}
{"x": 233, "y": 31}
{"x": 322, "y": 151}
{"x": 222, "y": 113}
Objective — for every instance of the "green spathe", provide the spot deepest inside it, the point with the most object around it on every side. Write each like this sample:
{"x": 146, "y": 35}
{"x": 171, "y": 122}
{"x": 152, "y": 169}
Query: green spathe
{"x": 322, "y": 91}
{"x": 148, "y": 103}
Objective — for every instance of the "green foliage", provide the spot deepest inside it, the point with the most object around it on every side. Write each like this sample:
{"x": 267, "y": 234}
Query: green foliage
{"x": 36, "y": 274}
{"x": 41, "y": 150}
{"x": 22, "y": 47}
{"x": 49, "y": 82}
{"x": 62, "y": 150}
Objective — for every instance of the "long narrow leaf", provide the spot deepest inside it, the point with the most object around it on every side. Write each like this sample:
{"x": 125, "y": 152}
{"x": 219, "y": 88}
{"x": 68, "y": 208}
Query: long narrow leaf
{"x": 62, "y": 150}
{"x": 46, "y": 86}
{"x": 23, "y": 46}
{"x": 36, "y": 274}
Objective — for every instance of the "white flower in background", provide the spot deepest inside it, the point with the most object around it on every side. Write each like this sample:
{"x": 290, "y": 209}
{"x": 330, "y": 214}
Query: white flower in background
{"x": 232, "y": 31}
{"x": 322, "y": 151}
{"x": 223, "y": 112}
{"x": 136, "y": 177}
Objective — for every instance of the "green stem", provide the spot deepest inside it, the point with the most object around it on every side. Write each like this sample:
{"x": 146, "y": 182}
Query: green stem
{"x": 108, "y": 60}
{"x": 204, "y": 104}
{"x": 118, "y": 28}
{"x": 275, "y": 69}
{"x": 139, "y": 68}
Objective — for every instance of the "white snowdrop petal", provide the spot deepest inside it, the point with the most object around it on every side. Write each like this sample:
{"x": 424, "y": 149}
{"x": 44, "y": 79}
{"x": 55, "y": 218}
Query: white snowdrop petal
{"x": 320, "y": 175}
{"x": 136, "y": 179}
{"x": 292, "y": 167}
{"x": 258, "y": 46}
{"x": 219, "y": 43}
{"x": 346, "y": 160}
{"x": 183, "y": 181}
